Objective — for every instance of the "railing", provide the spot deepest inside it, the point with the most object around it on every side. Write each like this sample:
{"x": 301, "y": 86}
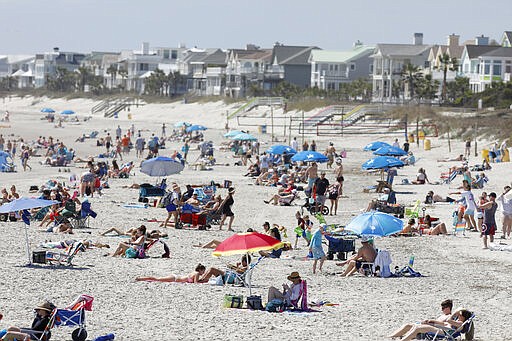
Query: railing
{"x": 110, "y": 107}
{"x": 267, "y": 101}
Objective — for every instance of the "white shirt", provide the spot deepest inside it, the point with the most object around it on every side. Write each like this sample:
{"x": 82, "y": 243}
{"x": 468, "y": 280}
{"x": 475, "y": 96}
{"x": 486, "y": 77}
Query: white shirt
{"x": 470, "y": 200}
{"x": 295, "y": 145}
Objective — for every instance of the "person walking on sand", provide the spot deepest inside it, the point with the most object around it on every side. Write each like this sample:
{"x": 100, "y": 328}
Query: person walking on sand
{"x": 315, "y": 247}
{"x": 489, "y": 225}
{"x": 305, "y": 146}
{"x": 163, "y": 131}
{"x": 118, "y": 132}
{"x": 506, "y": 210}
{"x": 25, "y": 155}
{"x": 311, "y": 174}
{"x": 295, "y": 144}
{"x": 225, "y": 208}
{"x": 139, "y": 146}
{"x": 467, "y": 149}
{"x": 108, "y": 142}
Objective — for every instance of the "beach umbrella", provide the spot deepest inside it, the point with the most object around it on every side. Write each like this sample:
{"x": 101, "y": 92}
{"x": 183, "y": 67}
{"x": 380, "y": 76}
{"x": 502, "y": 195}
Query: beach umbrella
{"x": 244, "y": 137}
{"x": 280, "y": 149}
{"x": 161, "y": 166}
{"x": 309, "y": 156}
{"x": 241, "y": 243}
{"x": 375, "y": 145}
{"x": 181, "y": 124}
{"x": 48, "y": 110}
{"x": 232, "y": 133}
{"x": 382, "y": 162}
{"x": 390, "y": 151}
{"x": 67, "y": 112}
{"x": 375, "y": 224}
{"x": 23, "y": 204}
{"x": 195, "y": 127}
{"x": 246, "y": 243}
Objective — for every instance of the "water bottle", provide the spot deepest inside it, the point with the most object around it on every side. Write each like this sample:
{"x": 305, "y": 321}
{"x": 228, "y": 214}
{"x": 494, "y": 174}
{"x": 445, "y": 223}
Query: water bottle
{"x": 106, "y": 337}
{"x": 411, "y": 261}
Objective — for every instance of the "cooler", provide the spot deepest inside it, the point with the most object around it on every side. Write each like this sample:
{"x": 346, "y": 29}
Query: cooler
{"x": 198, "y": 219}
{"x": 426, "y": 144}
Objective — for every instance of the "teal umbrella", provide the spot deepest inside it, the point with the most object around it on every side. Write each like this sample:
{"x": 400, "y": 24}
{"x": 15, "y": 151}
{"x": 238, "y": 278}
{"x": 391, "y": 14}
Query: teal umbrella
{"x": 244, "y": 137}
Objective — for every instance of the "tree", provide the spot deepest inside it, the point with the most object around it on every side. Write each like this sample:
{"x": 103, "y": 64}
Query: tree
{"x": 124, "y": 76}
{"x": 84, "y": 75}
{"x": 446, "y": 63}
{"x": 112, "y": 71}
{"x": 63, "y": 81}
{"x": 411, "y": 75}
{"x": 458, "y": 90}
{"x": 426, "y": 87}
{"x": 8, "y": 83}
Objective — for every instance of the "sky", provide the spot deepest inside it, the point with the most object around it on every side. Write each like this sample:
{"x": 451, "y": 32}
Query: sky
{"x": 36, "y": 26}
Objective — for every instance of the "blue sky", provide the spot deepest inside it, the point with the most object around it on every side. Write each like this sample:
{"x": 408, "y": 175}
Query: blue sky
{"x": 30, "y": 26}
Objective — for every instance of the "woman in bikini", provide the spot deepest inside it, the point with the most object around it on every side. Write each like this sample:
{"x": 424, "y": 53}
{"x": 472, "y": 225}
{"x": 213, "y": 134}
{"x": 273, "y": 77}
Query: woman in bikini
{"x": 193, "y": 277}
{"x": 428, "y": 228}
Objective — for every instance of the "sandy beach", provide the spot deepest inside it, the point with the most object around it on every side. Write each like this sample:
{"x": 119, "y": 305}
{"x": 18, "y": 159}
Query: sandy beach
{"x": 455, "y": 266}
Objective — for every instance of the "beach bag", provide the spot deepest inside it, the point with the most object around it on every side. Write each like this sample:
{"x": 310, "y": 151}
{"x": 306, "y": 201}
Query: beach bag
{"x": 130, "y": 253}
{"x": 254, "y": 303}
{"x": 140, "y": 253}
{"x": 216, "y": 281}
{"x": 275, "y": 306}
{"x": 233, "y": 301}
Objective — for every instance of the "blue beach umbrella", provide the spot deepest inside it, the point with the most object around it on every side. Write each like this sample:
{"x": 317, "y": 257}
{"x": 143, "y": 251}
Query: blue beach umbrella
{"x": 161, "y": 166}
{"x": 280, "y": 149}
{"x": 23, "y": 204}
{"x": 233, "y": 133}
{"x": 309, "y": 156}
{"x": 390, "y": 151}
{"x": 181, "y": 124}
{"x": 67, "y": 112}
{"x": 195, "y": 127}
{"x": 48, "y": 110}
{"x": 244, "y": 137}
{"x": 382, "y": 162}
{"x": 375, "y": 224}
{"x": 375, "y": 145}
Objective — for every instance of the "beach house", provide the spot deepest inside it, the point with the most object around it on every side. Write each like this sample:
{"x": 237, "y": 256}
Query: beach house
{"x": 290, "y": 64}
{"x": 389, "y": 61}
{"x": 204, "y": 70}
{"x": 245, "y": 68}
{"x": 20, "y": 69}
{"x": 46, "y": 64}
{"x": 329, "y": 68}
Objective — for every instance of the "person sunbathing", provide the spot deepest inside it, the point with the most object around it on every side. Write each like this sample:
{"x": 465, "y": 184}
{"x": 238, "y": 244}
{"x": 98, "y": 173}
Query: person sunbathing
{"x": 366, "y": 253}
{"x": 154, "y": 234}
{"x": 458, "y": 158}
{"x": 456, "y": 320}
{"x": 283, "y": 198}
{"x": 135, "y": 242}
{"x": 193, "y": 277}
{"x": 239, "y": 268}
{"x": 409, "y": 229}
{"x": 428, "y": 228}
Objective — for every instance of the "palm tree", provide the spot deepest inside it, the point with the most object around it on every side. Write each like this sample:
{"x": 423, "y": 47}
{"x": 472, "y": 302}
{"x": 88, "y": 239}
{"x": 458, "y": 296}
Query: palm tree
{"x": 83, "y": 79}
{"x": 112, "y": 71}
{"x": 446, "y": 63}
{"x": 411, "y": 75}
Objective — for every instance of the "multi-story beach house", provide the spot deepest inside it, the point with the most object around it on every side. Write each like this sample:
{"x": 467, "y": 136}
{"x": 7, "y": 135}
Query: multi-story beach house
{"x": 389, "y": 61}
{"x": 289, "y": 64}
{"x": 245, "y": 68}
{"x": 329, "y": 69}
{"x": 19, "y": 67}
{"x": 204, "y": 70}
{"x": 46, "y": 64}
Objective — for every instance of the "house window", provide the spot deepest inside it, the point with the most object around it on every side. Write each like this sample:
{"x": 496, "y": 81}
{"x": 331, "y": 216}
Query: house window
{"x": 496, "y": 68}
{"x": 69, "y": 58}
{"x": 352, "y": 66}
{"x": 143, "y": 67}
{"x": 427, "y": 64}
{"x": 487, "y": 67}
{"x": 166, "y": 54}
{"x": 336, "y": 67}
{"x": 174, "y": 54}
{"x": 371, "y": 68}
{"x": 508, "y": 68}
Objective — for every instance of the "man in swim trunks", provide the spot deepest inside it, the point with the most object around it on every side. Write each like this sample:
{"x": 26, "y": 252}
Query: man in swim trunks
{"x": 366, "y": 253}
{"x": 312, "y": 174}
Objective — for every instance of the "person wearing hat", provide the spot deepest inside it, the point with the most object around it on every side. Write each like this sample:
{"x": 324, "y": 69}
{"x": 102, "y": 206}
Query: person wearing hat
{"x": 41, "y": 320}
{"x": 365, "y": 254}
{"x": 290, "y": 294}
{"x": 225, "y": 208}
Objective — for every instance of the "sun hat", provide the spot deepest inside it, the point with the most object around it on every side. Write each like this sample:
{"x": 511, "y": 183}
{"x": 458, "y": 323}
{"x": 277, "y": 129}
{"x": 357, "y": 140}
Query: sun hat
{"x": 231, "y": 190}
{"x": 365, "y": 239}
{"x": 45, "y": 305}
{"x": 293, "y": 275}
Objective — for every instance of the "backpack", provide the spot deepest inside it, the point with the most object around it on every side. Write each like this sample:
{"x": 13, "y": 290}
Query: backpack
{"x": 167, "y": 199}
{"x": 275, "y": 306}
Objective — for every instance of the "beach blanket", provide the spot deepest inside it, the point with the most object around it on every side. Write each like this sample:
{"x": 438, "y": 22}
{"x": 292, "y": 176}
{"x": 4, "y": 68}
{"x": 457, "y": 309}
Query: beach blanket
{"x": 136, "y": 205}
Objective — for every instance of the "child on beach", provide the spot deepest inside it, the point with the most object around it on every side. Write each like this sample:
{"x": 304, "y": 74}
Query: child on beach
{"x": 315, "y": 247}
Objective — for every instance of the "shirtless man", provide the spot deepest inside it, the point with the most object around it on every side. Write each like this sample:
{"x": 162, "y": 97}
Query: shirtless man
{"x": 108, "y": 142}
{"x": 338, "y": 171}
{"x": 312, "y": 174}
{"x": 366, "y": 253}
{"x": 330, "y": 152}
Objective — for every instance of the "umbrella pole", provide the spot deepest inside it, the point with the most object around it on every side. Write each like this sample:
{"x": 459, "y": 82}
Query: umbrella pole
{"x": 250, "y": 275}
{"x": 28, "y": 246}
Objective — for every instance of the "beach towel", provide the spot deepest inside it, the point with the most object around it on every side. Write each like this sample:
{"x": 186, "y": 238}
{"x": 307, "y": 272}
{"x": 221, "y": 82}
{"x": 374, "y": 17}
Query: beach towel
{"x": 135, "y": 205}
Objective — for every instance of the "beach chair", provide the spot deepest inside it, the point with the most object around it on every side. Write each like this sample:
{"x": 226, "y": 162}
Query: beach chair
{"x": 60, "y": 258}
{"x": 414, "y": 211}
{"x": 459, "y": 227}
{"x": 467, "y": 329}
{"x": 81, "y": 219}
{"x": 6, "y": 163}
{"x": 244, "y": 279}
{"x": 301, "y": 303}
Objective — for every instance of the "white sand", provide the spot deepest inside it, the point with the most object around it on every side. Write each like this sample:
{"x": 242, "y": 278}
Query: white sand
{"x": 369, "y": 308}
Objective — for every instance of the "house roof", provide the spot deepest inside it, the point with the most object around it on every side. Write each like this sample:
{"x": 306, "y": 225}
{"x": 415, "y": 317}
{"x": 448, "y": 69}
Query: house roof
{"x": 508, "y": 35}
{"x": 218, "y": 57}
{"x": 17, "y": 58}
{"x": 499, "y": 52}
{"x": 401, "y": 49}
{"x": 455, "y": 51}
{"x": 264, "y": 55}
{"x": 292, "y": 55}
{"x": 474, "y": 51}
{"x": 326, "y": 56}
